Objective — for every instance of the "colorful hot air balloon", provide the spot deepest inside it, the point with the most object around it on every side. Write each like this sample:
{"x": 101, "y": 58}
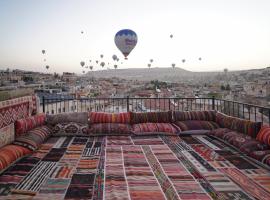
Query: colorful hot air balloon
{"x": 173, "y": 65}
{"x": 47, "y": 66}
{"x": 102, "y": 64}
{"x": 91, "y": 67}
{"x": 44, "y": 60}
{"x": 183, "y": 60}
{"x": 149, "y": 65}
{"x": 90, "y": 60}
{"x": 81, "y": 32}
{"x": 82, "y": 63}
{"x": 151, "y": 60}
{"x": 125, "y": 40}
{"x": 171, "y": 36}
{"x": 200, "y": 58}
{"x": 101, "y": 56}
{"x": 115, "y": 66}
{"x": 43, "y": 51}
{"x": 97, "y": 61}
{"x": 83, "y": 71}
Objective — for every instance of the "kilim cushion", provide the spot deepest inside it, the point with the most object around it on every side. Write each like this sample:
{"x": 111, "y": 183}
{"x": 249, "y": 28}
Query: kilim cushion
{"x": 196, "y": 125}
{"x": 155, "y": 128}
{"x": 100, "y": 117}
{"x": 24, "y": 125}
{"x": 10, "y": 153}
{"x": 209, "y": 115}
{"x": 241, "y": 125}
{"x": 69, "y": 129}
{"x": 219, "y": 132}
{"x": 110, "y": 129}
{"x": 34, "y": 138}
{"x": 264, "y": 135}
{"x": 77, "y": 117}
{"x": 262, "y": 156}
{"x": 153, "y": 117}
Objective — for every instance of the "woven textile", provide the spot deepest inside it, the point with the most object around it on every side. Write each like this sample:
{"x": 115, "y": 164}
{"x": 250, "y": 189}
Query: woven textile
{"x": 155, "y": 128}
{"x": 151, "y": 117}
{"x": 76, "y": 117}
{"x": 262, "y": 156}
{"x": 109, "y": 129}
{"x": 70, "y": 129}
{"x": 264, "y": 135}
{"x": 196, "y": 125}
{"x": 209, "y": 115}
{"x": 243, "y": 126}
{"x": 159, "y": 167}
{"x": 34, "y": 138}
{"x": 7, "y": 135}
{"x": 10, "y": 153}
{"x": 24, "y": 125}
{"x": 100, "y": 117}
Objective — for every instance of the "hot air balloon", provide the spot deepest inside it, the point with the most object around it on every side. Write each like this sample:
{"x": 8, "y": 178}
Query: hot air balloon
{"x": 44, "y": 60}
{"x": 183, "y": 60}
{"x": 173, "y": 65}
{"x": 47, "y": 66}
{"x": 102, "y": 64}
{"x": 101, "y": 56}
{"x": 117, "y": 59}
{"x": 171, "y": 36}
{"x": 149, "y": 65}
{"x": 97, "y": 61}
{"x": 115, "y": 66}
{"x": 200, "y": 58}
{"x": 91, "y": 67}
{"x": 90, "y": 60}
{"x": 151, "y": 60}
{"x": 82, "y": 63}
{"x": 125, "y": 40}
{"x": 43, "y": 51}
{"x": 81, "y": 32}
{"x": 114, "y": 57}
{"x": 83, "y": 71}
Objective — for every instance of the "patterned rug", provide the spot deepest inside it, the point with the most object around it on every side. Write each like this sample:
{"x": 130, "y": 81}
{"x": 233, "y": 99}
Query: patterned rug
{"x": 139, "y": 167}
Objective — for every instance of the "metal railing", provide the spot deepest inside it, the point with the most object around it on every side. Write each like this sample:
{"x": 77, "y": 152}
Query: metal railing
{"x": 115, "y": 104}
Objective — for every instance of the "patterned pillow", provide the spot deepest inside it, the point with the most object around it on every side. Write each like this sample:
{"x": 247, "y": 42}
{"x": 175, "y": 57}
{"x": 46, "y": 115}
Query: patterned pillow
{"x": 110, "y": 129}
{"x": 34, "y": 138}
{"x": 155, "y": 128}
{"x": 264, "y": 135}
{"x": 196, "y": 125}
{"x": 77, "y": 117}
{"x": 241, "y": 125}
{"x": 69, "y": 129}
{"x": 10, "y": 153}
{"x": 24, "y": 125}
{"x": 219, "y": 132}
{"x": 262, "y": 156}
{"x": 207, "y": 115}
{"x": 152, "y": 117}
{"x": 101, "y": 117}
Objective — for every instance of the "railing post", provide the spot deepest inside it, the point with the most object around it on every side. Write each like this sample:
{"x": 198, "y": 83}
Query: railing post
{"x": 169, "y": 104}
{"x": 213, "y": 102}
{"x": 43, "y": 104}
{"x": 127, "y": 103}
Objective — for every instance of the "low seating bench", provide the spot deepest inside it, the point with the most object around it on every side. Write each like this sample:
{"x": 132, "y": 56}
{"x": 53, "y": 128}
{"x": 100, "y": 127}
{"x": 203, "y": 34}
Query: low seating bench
{"x": 92, "y": 159}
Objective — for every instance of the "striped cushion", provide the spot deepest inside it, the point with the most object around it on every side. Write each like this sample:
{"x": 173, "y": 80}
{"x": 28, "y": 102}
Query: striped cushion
{"x": 110, "y": 129}
{"x": 34, "y": 138}
{"x": 153, "y": 117}
{"x": 196, "y": 125}
{"x": 77, "y": 117}
{"x": 241, "y": 125}
{"x": 219, "y": 132}
{"x": 70, "y": 129}
{"x": 10, "y": 153}
{"x": 24, "y": 125}
{"x": 100, "y": 117}
{"x": 264, "y": 135}
{"x": 154, "y": 128}
{"x": 208, "y": 115}
{"x": 262, "y": 156}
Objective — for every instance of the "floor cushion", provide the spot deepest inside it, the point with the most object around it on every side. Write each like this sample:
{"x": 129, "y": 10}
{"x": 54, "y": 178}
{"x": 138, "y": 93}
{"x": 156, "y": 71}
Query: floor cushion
{"x": 24, "y": 125}
{"x": 196, "y": 125}
{"x": 262, "y": 156}
{"x": 102, "y": 117}
{"x": 10, "y": 153}
{"x": 219, "y": 132}
{"x": 77, "y": 117}
{"x": 109, "y": 129}
{"x": 206, "y": 115}
{"x": 70, "y": 129}
{"x": 155, "y": 128}
{"x": 264, "y": 135}
{"x": 151, "y": 117}
{"x": 34, "y": 138}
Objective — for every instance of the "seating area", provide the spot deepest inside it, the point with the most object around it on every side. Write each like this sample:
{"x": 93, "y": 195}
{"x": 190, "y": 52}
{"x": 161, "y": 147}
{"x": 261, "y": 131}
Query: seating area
{"x": 133, "y": 155}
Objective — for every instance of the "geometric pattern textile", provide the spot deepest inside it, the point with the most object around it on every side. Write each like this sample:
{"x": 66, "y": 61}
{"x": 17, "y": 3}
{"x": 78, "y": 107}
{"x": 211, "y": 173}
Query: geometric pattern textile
{"x": 143, "y": 167}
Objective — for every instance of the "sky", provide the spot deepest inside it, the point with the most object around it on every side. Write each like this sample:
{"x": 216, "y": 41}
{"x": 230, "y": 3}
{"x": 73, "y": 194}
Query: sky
{"x": 233, "y": 34}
